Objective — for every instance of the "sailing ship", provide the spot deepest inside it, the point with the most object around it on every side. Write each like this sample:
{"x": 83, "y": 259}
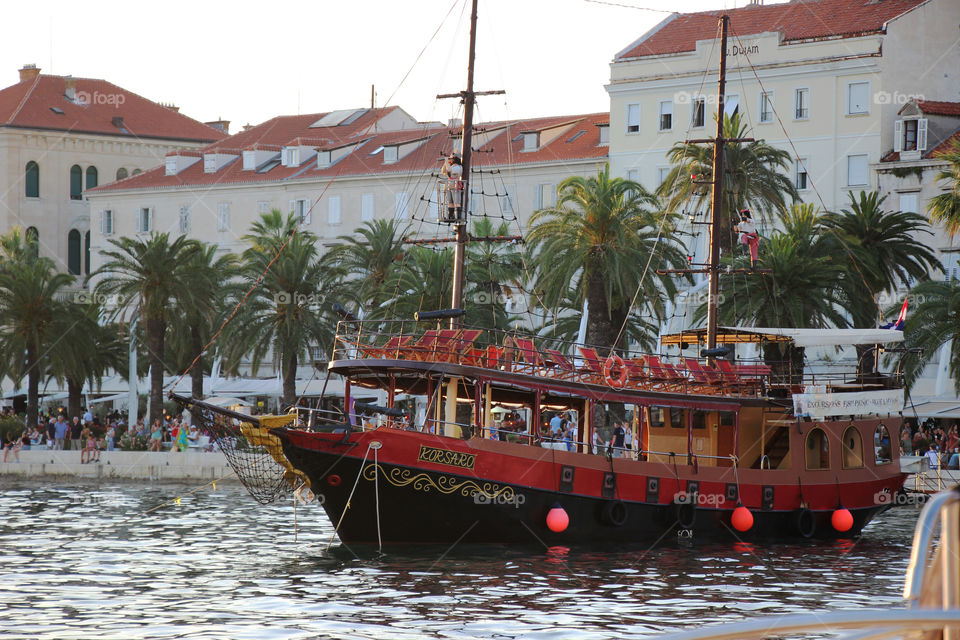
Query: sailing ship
{"x": 727, "y": 449}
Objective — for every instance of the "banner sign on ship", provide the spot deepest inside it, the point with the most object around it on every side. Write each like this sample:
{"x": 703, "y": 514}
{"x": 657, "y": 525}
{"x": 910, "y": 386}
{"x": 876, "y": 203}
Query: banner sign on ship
{"x": 821, "y": 405}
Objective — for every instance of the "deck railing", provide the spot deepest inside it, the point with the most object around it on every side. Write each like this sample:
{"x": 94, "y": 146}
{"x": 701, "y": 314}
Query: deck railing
{"x": 515, "y": 352}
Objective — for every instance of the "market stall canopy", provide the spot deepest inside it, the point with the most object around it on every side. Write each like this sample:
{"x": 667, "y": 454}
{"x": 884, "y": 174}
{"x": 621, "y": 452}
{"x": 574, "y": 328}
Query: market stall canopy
{"x": 799, "y": 337}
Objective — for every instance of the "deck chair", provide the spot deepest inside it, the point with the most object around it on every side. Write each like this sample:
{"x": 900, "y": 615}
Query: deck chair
{"x": 659, "y": 373}
{"x": 424, "y": 346}
{"x": 463, "y": 349}
{"x": 554, "y": 358}
{"x": 445, "y": 346}
{"x": 594, "y": 365}
{"x": 529, "y": 354}
{"x": 734, "y": 379}
{"x": 636, "y": 368}
{"x": 390, "y": 349}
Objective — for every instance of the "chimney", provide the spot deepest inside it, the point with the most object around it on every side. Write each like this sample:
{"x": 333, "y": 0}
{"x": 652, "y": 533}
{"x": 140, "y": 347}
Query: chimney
{"x": 221, "y": 124}
{"x": 71, "y": 88}
{"x": 29, "y": 72}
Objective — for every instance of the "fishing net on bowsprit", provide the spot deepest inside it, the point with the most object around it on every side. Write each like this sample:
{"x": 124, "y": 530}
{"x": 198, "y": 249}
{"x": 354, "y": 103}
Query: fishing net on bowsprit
{"x": 253, "y": 453}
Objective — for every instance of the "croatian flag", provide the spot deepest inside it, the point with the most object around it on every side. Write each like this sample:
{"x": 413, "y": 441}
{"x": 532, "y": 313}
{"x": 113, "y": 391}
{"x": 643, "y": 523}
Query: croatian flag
{"x": 901, "y": 319}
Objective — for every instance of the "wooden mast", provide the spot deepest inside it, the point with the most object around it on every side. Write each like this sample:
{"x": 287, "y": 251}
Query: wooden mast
{"x": 717, "y": 196}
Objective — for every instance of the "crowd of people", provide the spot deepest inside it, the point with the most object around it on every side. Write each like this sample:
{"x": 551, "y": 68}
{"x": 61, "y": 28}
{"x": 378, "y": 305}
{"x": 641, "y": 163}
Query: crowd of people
{"x": 90, "y": 434}
{"x": 939, "y": 444}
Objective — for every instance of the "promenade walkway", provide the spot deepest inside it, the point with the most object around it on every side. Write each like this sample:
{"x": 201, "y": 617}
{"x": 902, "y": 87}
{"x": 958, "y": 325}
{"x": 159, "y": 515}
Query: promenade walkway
{"x": 133, "y": 465}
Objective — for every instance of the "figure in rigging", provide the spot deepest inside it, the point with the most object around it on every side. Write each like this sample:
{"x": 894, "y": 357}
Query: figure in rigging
{"x": 749, "y": 235}
{"x": 453, "y": 171}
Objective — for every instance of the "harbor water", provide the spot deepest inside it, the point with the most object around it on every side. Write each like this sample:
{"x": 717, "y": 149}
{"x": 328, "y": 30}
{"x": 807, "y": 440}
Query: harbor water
{"x": 140, "y": 560}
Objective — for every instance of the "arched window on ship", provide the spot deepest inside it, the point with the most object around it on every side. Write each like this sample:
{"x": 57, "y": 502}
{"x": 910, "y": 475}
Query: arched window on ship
{"x": 881, "y": 444}
{"x": 817, "y": 450}
{"x": 852, "y": 451}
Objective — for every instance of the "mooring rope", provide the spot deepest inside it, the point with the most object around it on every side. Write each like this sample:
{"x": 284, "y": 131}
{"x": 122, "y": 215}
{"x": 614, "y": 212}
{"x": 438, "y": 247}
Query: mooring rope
{"x": 376, "y": 494}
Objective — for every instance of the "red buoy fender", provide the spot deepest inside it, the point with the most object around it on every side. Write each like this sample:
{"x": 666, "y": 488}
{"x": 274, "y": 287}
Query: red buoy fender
{"x": 842, "y": 520}
{"x": 557, "y": 519}
{"x": 614, "y": 373}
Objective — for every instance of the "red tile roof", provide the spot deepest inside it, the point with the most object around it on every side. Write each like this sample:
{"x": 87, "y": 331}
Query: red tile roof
{"x": 30, "y": 104}
{"x": 944, "y": 147}
{"x": 367, "y": 158}
{"x": 939, "y": 108}
{"x": 796, "y": 20}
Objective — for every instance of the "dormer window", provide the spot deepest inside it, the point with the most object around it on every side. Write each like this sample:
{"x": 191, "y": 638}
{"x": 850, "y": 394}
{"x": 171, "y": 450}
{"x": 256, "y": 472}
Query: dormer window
{"x": 910, "y": 135}
{"x": 210, "y": 163}
{"x": 389, "y": 154}
{"x": 323, "y": 159}
{"x": 531, "y": 141}
{"x": 249, "y": 160}
{"x": 604, "y": 130}
{"x": 290, "y": 157}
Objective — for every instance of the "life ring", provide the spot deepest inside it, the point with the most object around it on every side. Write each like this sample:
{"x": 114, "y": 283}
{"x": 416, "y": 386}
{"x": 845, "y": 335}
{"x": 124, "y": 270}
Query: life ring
{"x": 614, "y": 363}
{"x": 804, "y": 523}
{"x": 333, "y": 480}
{"x": 686, "y": 512}
{"x": 614, "y": 513}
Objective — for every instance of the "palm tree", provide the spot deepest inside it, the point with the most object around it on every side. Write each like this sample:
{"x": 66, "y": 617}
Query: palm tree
{"x": 604, "y": 241}
{"x": 86, "y": 350}
{"x": 286, "y": 312}
{"x": 879, "y": 250}
{"x": 150, "y": 276}
{"x": 32, "y": 314}
{"x": 198, "y": 316}
{"x": 493, "y": 274}
{"x": 799, "y": 292}
{"x": 754, "y": 178}
{"x": 424, "y": 282}
{"x": 945, "y": 207}
{"x": 934, "y": 322}
{"x": 372, "y": 260}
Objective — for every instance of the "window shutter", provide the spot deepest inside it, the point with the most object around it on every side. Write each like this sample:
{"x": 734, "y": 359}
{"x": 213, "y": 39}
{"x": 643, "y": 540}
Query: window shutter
{"x": 149, "y": 219}
{"x": 898, "y": 135}
{"x": 366, "y": 207}
{"x": 103, "y": 223}
{"x": 921, "y": 134}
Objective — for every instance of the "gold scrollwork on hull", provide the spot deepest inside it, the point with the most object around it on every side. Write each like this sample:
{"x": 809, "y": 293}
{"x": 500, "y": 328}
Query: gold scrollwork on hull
{"x": 444, "y": 484}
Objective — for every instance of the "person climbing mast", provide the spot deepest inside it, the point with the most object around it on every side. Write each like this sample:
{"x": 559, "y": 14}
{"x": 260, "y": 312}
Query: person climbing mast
{"x": 453, "y": 171}
{"x": 749, "y": 235}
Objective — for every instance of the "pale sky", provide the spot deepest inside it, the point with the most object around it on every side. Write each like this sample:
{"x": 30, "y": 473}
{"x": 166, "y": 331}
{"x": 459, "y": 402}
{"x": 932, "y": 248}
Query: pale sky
{"x": 249, "y": 61}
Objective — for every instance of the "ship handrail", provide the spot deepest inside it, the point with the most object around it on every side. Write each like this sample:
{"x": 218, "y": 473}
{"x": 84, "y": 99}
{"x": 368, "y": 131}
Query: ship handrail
{"x": 766, "y": 459}
{"x": 943, "y": 507}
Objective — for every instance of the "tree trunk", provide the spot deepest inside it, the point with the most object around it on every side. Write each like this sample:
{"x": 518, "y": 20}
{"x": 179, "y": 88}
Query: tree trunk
{"x": 74, "y": 397}
{"x": 33, "y": 385}
{"x": 290, "y": 379}
{"x": 156, "y": 328}
{"x": 600, "y": 331}
{"x": 196, "y": 374}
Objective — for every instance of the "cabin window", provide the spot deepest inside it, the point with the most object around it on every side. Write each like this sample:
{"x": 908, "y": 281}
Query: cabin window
{"x": 727, "y": 418}
{"x": 699, "y": 419}
{"x": 658, "y": 417}
{"x": 881, "y": 444}
{"x": 678, "y": 418}
{"x": 817, "y": 450}
{"x": 852, "y": 448}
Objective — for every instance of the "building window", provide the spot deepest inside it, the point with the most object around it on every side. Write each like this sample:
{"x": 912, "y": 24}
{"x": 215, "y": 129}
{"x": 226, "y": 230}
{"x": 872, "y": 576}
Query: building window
{"x": 366, "y": 207}
{"x": 817, "y": 450}
{"x": 857, "y": 170}
{"x": 666, "y": 115}
{"x": 402, "y": 206}
{"x": 106, "y": 222}
{"x": 801, "y": 103}
{"x": 908, "y": 203}
{"x": 290, "y": 157}
{"x": 301, "y": 210}
{"x": 731, "y": 105}
{"x": 662, "y": 173}
{"x": 144, "y": 219}
{"x": 263, "y": 206}
{"x": 32, "y": 237}
{"x": 852, "y": 450}
{"x": 951, "y": 266}
{"x": 136, "y": 171}
{"x": 531, "y": 141}
{"x": 858, "y": 98}
{"x": 766, "y": 106}
{"x": 223, "y": 216}
{"x": 390, "y": 154}
{"x": 604, "y": 133}
{"x": 323, "y": 159}
{"x": 633, "y": 118}
{"x": 32, "y": 180}
{"x": 184, "y": 219}
{"x": 86, "y": 253}
{"x": 92, "y": 177}
{"x": 333, "y": 210}
{"x": 910, "y": 134}
{"x": 543, "y": 195}
{"x": 800, "y": 174}
{"x": 73, "y": 252}
{"x": 698, "y": 112}
{"x": 76, "y": 182}
{"x": 122, "y": 173}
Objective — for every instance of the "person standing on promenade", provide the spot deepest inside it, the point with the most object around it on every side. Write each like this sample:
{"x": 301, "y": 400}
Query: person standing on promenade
{"x": 76, "y": 428}
{"x": 61, "y": 429}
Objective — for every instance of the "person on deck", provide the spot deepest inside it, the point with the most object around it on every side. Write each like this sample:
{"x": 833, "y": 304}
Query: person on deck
{"x": 619, "y": 435}
{"x": 749, "y": 235}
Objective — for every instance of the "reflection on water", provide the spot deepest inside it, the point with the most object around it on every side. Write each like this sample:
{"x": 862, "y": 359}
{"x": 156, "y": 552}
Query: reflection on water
{"x": 85, "y": 562}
